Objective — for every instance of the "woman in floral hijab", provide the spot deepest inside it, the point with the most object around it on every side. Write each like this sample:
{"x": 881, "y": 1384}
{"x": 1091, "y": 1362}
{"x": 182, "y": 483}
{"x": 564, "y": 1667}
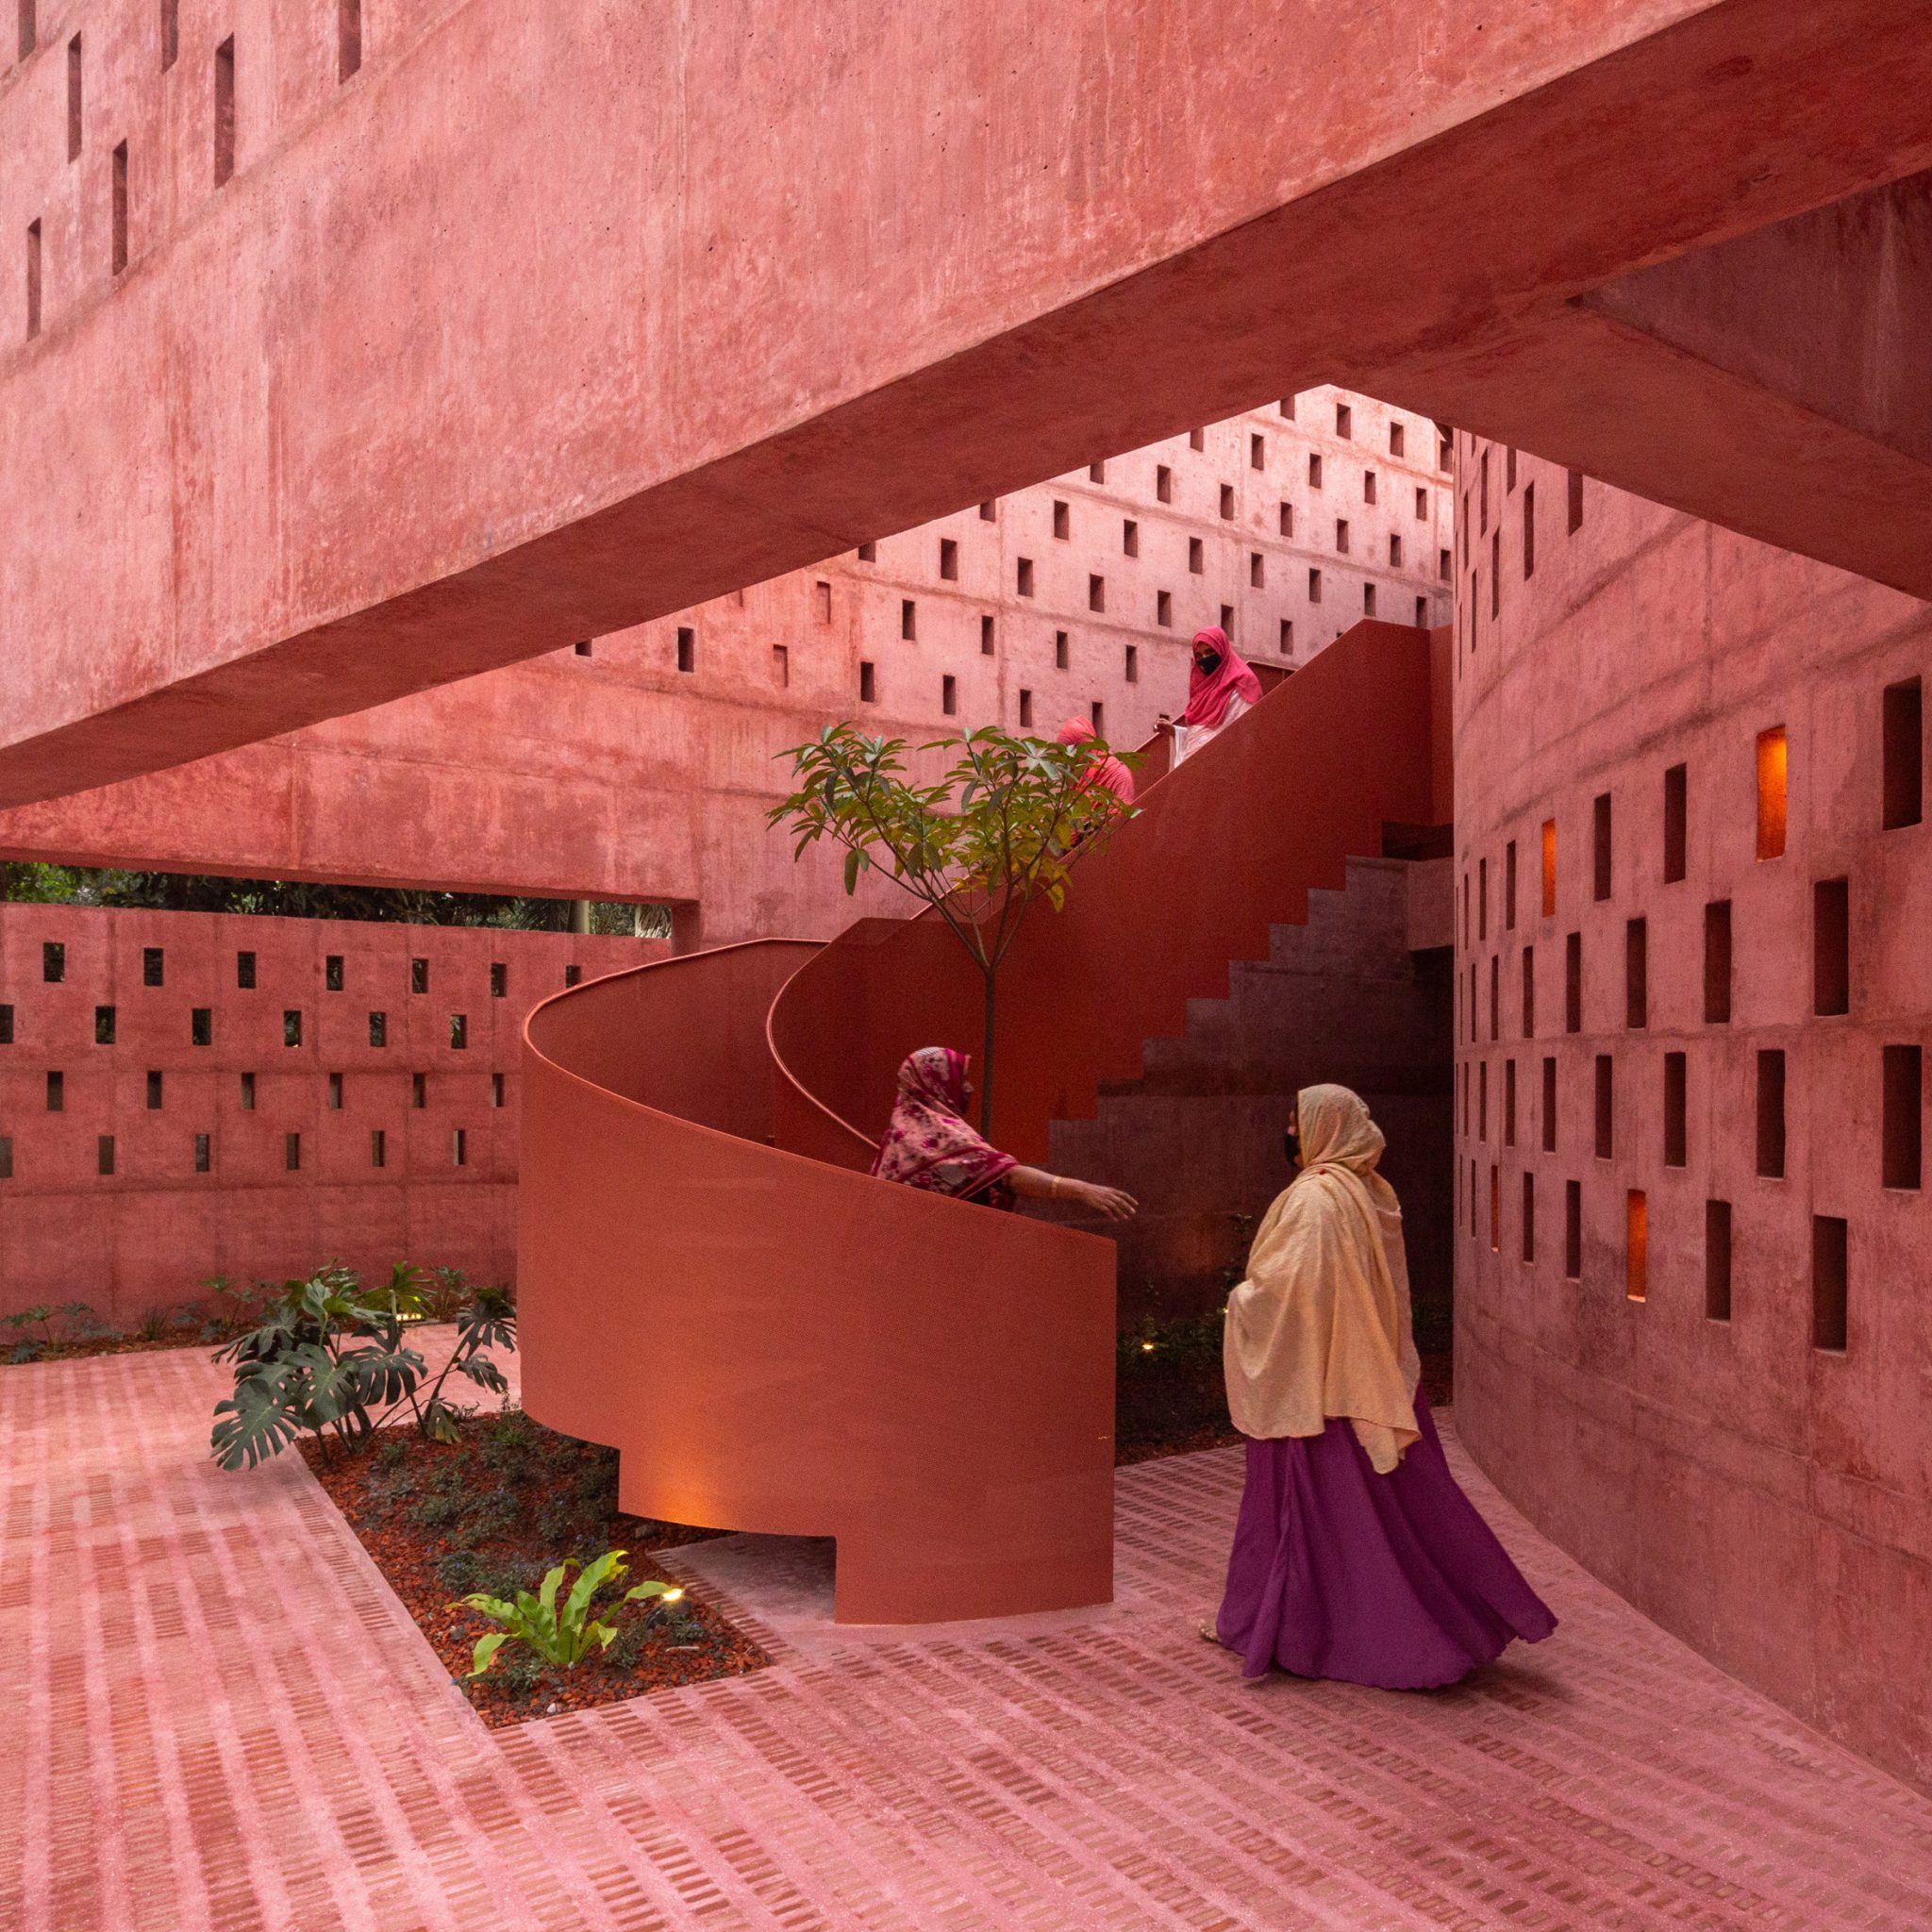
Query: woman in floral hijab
{"x": 928, "y": 1144}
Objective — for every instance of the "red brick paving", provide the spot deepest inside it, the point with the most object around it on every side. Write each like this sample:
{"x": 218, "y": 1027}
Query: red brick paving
{"x": 219, "y": 1718}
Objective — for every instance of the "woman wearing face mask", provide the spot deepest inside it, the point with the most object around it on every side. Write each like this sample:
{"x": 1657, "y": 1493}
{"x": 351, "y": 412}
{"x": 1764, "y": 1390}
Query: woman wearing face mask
{"x": 1221, "y": 686}
{"x": 1357, "y": 1555}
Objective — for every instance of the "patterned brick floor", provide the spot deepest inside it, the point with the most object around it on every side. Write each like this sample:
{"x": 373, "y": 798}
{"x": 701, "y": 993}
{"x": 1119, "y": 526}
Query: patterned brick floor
{"x": 217, "y": 1717}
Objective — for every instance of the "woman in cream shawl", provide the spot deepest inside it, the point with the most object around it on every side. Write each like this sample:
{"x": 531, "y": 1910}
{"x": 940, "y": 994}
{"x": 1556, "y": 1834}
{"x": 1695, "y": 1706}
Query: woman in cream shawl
{"x": 1357, "y": 1555}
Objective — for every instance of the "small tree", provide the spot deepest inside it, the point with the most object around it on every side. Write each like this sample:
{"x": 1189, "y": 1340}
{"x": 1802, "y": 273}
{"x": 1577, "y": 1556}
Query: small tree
{"x": 1000, "y": 828}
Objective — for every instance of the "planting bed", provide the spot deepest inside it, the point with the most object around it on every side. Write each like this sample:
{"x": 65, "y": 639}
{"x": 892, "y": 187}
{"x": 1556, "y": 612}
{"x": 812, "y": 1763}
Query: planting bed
{"x": 490, "y": 1513}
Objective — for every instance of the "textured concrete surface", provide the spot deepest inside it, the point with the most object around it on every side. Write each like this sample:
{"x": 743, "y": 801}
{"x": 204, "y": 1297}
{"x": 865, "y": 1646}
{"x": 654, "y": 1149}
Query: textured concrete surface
{"x": 546, "y": 321}
{"x": 1768, "y": 1499}
{"x": 148, "y": 1233}
{"x": 615, "y": 775}
{"x": 1197, "y": 1141}
{"x": 220, "y": 1717}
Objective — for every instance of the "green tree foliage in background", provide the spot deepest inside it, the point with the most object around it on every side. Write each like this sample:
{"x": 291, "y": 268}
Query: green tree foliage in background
{"x": 171, "y": 892}
{"x": 1000, "y": 828}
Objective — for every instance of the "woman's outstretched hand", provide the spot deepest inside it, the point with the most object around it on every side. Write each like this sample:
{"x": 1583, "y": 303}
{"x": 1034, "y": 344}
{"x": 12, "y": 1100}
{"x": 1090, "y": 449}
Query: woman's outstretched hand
{"x": 1112, "y": 1202}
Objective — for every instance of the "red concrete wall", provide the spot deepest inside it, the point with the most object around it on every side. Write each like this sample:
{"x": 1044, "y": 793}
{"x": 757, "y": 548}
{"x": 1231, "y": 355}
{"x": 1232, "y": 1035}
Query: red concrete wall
{"x": 774, "y": 1344}
{"x": 1766, "y": 1498}
{"x": 149, "y": 1232}
{"x": 505, "y": 339}
{"x": 1197, "y": 1141}
{"x": 616, "y": 775}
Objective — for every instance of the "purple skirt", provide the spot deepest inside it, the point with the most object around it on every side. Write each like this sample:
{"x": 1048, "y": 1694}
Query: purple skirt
{"x": 1387, "y": 1580}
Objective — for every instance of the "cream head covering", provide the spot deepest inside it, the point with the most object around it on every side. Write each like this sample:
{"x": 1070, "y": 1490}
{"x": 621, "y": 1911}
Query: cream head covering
{"x": 1321, "y": 1326}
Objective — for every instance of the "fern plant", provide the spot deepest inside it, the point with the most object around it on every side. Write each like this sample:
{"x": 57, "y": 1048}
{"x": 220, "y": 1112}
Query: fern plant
{"x": 561, "y": 1636}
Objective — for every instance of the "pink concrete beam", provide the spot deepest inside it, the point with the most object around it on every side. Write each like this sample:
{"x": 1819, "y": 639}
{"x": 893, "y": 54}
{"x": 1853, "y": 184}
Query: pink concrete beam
{"x": 422, "y": 392}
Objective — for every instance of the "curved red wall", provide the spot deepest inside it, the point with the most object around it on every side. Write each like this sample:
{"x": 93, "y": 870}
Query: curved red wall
{"x": 777, "y": 1344}
{"x": 1766, "y": 1498}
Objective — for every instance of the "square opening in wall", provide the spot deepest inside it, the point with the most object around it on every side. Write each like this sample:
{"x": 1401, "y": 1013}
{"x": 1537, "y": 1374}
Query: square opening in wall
{"x": 1717, "y": 962}
{"x": 1830, "y": 1283}
{"x": 1061, "y": 656}
{"x": 1676, "y": 821}
{"x": 1771, "y": 1114}
{"x": 152, "y": 966}
{"x": 1902, "y": 1134}
{"x": 1831, "y": 942}
{"x": 1717, "y": 1261}
{"x": 868, "y": 684}
{"x": 1573, "y": 983}
{"x": 1904, "y": 800}
{"x": 687, "y": 648}
{"x": 1062, "y": 521}
{"x": 949, "y": 560}
{"x": 1637, "y": 972}
{"x": 1549, "y": 1107}
{"x": 1572, "y": 1230}
{"x": 1773, "y": 776}
{"x": 1549, "y": 868}
{"x": 378, "y": 1030}
{"x": 1606, "y": 1108}
{"x": 1026, "y": 710}
{"x": 985, "y": 637}
{"x": 332, "y": 973}
{"x": 1636, "y": 1245}
{"x": 244, "y": 971}
{"x": 1676, "y": 1135}
{"x": 949, "y": 695}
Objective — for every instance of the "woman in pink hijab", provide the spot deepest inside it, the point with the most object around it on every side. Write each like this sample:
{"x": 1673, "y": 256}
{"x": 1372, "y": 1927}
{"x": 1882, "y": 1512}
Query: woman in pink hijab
{"x": 1221, "y": 686}
{"x": 928, "y": 1144}
{"x": 1110, "y": 773}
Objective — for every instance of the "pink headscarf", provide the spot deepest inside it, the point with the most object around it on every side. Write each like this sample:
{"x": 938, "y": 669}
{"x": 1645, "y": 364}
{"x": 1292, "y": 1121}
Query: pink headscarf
{"x": 1110, "y": 773}
{"x": 1207, "y": 694}
{"x": 926, "y": 1144}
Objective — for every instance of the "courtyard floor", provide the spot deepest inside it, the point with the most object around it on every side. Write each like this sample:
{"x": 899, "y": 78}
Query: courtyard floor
{"x": 217, "y": 1717}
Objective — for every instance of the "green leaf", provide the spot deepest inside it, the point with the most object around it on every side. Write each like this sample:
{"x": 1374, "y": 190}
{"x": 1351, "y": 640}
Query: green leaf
{"x": 487, "y": 1648}
{"x": 609, "y": 1565}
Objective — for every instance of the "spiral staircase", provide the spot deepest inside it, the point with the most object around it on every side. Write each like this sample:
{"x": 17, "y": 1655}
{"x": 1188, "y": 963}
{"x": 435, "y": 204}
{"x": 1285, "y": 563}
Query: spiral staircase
{"x": 712, "y": 1282}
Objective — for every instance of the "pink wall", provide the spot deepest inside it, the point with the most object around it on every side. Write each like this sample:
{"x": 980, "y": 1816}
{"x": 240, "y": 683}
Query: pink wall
{"x": 505, "y": 339}
{"x": 1767, "y": 1498}
{"x": 615, "y": 776}
{"x": 1197, "y": 1139}
{"x": 148, "y": 1233}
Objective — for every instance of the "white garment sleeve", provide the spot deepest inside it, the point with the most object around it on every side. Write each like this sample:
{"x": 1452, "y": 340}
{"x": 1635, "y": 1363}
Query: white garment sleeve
{"x": 1189, "y": 739}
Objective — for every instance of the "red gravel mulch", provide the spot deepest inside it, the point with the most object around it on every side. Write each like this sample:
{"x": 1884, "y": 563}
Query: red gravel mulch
{"x": 490, "y": 1514}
